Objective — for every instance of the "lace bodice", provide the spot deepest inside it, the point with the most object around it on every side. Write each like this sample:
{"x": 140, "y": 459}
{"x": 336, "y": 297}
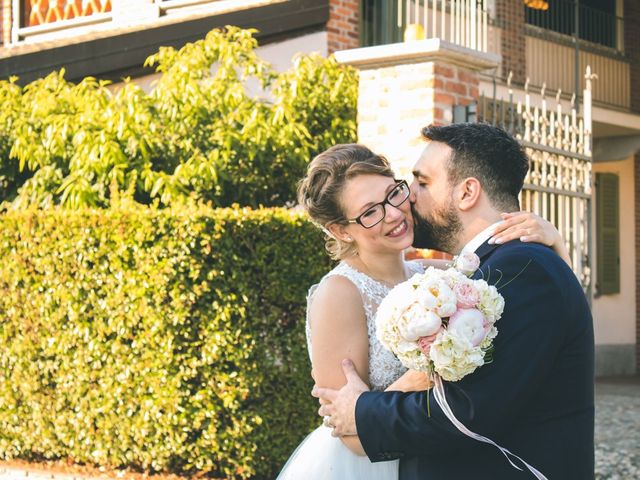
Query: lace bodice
{"x": 384, "y": 367}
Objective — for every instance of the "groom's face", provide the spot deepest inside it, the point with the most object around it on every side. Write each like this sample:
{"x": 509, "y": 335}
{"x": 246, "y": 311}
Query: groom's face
{"x": 437, "y": 222}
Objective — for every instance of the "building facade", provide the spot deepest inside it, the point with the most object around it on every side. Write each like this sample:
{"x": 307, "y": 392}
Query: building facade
{"x": 425, "y": 61}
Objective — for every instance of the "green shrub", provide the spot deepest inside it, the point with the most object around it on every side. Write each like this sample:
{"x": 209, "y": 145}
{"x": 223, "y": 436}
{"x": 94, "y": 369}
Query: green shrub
{"x": 198, "y": 134}
{"x": 165, "y": 340}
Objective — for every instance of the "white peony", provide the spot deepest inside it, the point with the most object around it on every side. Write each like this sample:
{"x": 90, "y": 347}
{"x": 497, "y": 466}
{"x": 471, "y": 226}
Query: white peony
{"x": 437, "y": 295}
{"x": 469, "y": 323}
{"x": 419, "y": 322}
{"x": 403, "y": 347}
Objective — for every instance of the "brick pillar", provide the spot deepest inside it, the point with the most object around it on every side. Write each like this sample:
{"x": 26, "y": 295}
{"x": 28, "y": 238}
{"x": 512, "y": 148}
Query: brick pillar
{"x": 632, "y": 48}
{"x": 510, "y": 17}
{"x": 342, "y": 27}
{"x": 404, "y": 87}
{"x": 5, "y": 21}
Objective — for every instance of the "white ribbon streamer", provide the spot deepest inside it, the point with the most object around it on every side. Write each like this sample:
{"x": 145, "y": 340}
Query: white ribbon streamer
{"x": 438, "y": 393}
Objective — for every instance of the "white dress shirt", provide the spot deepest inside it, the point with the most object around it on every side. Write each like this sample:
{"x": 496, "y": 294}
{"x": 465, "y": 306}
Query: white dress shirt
{"x": 480, "y": 238}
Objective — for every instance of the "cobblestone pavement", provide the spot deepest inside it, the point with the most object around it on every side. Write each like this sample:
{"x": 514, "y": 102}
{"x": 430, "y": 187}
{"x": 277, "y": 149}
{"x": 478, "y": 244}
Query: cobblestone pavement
{"x": 618, "y": 429}
{"x": 617, "y": 438}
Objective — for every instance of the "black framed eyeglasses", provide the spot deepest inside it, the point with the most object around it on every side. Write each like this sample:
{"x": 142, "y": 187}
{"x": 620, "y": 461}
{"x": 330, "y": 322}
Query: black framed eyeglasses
{"x": 376, "y": 213}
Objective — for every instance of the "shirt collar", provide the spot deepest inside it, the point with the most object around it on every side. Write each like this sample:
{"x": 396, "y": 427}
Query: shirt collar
{"x": 480, "y": 238}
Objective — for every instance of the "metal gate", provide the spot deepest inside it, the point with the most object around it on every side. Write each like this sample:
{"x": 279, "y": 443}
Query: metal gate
{"x": 558, "y": 186}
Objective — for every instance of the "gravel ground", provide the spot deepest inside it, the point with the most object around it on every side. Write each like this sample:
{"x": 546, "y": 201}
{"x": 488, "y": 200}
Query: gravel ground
{"x": 618, "y": 428}
{"x": 617, "y": 439}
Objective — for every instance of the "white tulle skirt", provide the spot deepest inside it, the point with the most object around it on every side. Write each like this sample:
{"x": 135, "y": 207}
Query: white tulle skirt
{"x": 323, "y": 457}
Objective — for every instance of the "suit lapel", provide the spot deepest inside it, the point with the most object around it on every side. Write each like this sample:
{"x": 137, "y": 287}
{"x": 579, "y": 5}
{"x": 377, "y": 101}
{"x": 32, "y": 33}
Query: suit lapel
{"x": 485, "y": 250}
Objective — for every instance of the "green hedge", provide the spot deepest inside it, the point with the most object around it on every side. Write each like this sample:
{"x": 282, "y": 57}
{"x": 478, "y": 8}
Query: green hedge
{"x": 159, "y": 340}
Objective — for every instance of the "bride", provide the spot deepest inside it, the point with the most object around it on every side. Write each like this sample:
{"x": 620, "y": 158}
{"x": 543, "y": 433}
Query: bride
{"x": 353, "y": 195}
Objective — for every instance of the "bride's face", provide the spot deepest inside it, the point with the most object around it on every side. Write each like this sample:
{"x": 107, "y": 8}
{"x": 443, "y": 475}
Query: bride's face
{"x": 394, "y": 232}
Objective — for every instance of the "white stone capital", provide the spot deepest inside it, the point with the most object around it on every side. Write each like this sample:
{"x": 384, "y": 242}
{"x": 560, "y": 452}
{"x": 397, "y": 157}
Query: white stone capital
{"x": 419, "y": 51}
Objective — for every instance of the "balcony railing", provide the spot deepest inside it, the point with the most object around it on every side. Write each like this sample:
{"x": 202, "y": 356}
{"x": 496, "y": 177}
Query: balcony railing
{"x": 598, "y": 26}
{"x": 554, "y": 65}
{"x": 462, "y": 22}
{"x": 568, "y": 37}
{"x": 552, "y": 54}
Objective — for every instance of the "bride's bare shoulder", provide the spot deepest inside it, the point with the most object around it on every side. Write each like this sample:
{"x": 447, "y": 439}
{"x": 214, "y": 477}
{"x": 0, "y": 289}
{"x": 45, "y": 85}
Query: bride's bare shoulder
{"x": 336, "y": 297}
{"x": 337, "y": 288}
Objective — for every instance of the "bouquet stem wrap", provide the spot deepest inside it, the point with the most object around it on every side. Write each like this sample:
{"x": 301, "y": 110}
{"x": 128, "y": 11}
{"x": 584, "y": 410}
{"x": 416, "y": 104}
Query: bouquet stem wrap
{"x": 438, "y": 393}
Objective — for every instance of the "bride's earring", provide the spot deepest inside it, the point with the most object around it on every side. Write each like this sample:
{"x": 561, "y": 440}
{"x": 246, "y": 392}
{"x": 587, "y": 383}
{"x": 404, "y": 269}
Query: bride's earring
{"x": 348, "y": 239}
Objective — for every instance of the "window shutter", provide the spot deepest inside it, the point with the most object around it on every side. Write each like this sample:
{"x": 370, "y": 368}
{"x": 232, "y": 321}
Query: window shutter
{"x": 607, "y": 233}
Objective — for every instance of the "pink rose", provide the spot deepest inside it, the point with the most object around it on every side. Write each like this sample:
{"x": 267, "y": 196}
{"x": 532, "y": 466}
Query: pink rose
{"x": 467, "y": 263}
{"x": 425, "y": 342}
{"x": 467, "y": 295}
{"x": 470, "y": 324}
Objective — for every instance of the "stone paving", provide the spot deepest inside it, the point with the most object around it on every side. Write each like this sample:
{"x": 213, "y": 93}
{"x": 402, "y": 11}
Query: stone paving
{"x": 617, "y": 438}
{"x": 618, "y": 429}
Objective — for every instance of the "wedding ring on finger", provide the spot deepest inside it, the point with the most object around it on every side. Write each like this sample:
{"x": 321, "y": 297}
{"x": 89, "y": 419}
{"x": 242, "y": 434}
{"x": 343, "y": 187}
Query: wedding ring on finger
{"x": 327, "y": 421}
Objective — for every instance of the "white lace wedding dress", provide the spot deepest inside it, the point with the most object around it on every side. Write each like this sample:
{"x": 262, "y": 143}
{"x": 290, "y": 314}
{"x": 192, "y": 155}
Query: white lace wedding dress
{"x": 321, "y": 456}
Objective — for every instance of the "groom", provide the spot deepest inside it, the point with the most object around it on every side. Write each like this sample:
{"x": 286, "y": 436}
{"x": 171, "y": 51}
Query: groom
{"x": 536, "y": 397}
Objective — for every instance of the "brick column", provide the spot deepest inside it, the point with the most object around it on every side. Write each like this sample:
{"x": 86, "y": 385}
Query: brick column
{"x": 404, "y": 87}
{"x": 342, "y": 27}
{"x": 510, "y": 17}
{"x": 632, "y": 48}
{"x": 5, "y": 21}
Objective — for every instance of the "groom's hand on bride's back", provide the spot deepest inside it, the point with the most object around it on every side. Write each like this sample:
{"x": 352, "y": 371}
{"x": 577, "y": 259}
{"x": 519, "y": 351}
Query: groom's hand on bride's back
{"x": 340, "y": 405}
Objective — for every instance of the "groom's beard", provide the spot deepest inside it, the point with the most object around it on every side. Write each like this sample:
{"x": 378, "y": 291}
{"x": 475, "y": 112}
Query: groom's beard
{"x": 441, "y": 234}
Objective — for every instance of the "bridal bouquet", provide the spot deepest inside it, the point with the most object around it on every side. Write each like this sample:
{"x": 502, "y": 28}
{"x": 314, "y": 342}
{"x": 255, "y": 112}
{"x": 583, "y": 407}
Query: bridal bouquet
{"x": 441, "y": 321}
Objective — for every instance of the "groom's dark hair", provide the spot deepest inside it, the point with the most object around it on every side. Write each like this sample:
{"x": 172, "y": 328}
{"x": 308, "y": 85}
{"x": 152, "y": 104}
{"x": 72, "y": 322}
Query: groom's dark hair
{"x": 487, "y": 153}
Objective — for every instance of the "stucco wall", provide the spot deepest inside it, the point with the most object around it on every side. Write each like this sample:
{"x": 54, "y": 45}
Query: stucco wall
{"x": 615, "y": 315}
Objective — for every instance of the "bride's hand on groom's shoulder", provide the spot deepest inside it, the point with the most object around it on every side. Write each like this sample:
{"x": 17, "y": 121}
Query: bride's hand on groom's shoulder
{"x": 529, "y": 227}
{"x": 411, "y": 381}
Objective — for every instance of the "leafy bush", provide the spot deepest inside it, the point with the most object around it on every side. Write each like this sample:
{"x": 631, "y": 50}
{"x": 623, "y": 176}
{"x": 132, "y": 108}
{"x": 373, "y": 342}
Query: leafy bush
{"x": 198, "y": 134}
{"x": 167, "y": 340}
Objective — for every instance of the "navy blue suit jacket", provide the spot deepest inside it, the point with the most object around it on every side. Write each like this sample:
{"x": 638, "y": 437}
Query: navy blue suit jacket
{"x": 535, "y": 398}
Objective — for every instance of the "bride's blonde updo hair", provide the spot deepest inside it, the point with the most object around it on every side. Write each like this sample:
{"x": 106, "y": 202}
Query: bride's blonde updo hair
{"x": 319, "y": 191}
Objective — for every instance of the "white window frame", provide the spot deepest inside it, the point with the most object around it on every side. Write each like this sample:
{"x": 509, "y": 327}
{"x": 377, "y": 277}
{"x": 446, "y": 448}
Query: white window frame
{"x": 20, "y": 34}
